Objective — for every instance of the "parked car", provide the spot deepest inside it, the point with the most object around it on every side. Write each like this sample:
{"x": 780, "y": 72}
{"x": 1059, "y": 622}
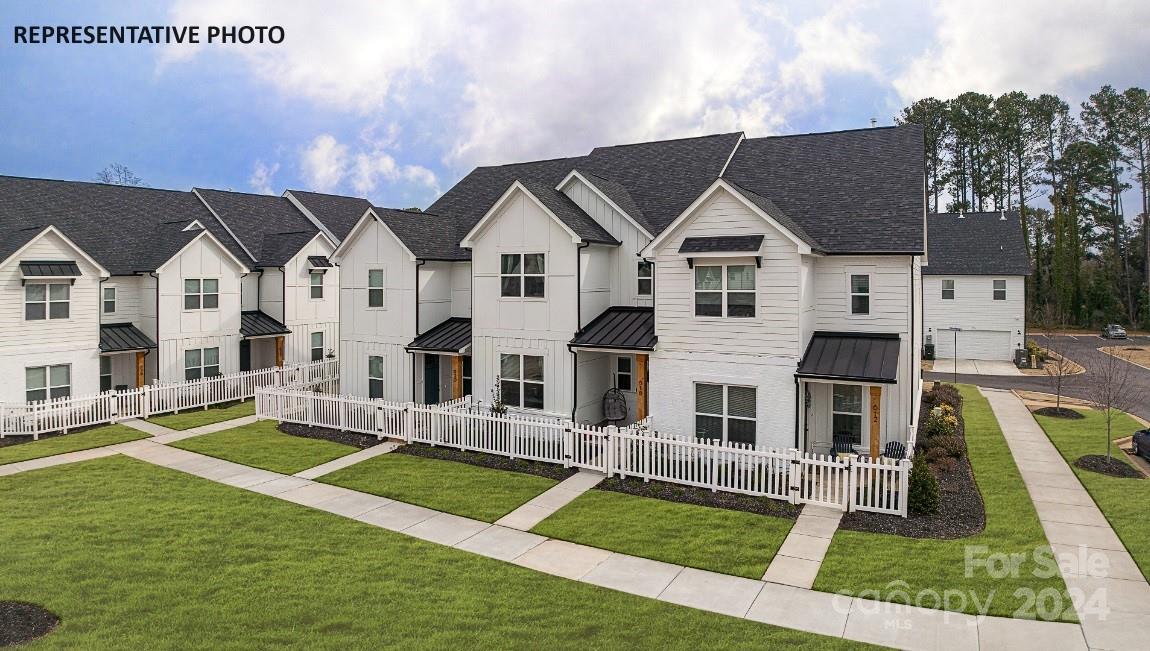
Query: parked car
{"x": 1113, "y": 331}
{"x": 1141, "y": 443}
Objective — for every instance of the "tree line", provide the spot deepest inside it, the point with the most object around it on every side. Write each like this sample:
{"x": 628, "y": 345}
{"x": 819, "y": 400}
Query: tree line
{"x": 1066, "y": 174}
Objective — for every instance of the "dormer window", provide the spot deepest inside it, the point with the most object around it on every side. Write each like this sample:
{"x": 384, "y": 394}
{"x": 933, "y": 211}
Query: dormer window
{"x": 725, "y": 290}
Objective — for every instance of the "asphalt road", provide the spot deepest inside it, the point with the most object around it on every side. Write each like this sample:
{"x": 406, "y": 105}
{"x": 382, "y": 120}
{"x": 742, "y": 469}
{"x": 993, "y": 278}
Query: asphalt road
{"x": 1080, "y": 348}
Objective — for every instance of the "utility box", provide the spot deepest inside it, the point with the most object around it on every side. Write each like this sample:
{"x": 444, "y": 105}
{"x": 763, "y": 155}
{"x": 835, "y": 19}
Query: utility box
{"x": 1022, "y": 358}
{"x": 928, "y": 351}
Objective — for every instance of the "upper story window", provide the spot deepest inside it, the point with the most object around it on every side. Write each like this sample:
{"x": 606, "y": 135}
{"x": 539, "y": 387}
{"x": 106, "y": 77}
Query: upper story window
{"x": 521, "y": 381}
{"x": 109, "y": 300}
{"x": 47, "y": 301}
{"x": 201, "y": 363}
{"x": 948, "y": 290}
{"x": 316, "y": 346}
{"x": 860, "y": 294}
{"x": 1000, "y": 290}
{"x": 725, "y": 290}
{"x": 522, "y": 274}
{"x": 316, "y": 280}
{"x": 44, "y": 382}
{"x": 201, "y": 293}
{"x": 646, "y": 278}
{"x": 375, "y": 287}
{"x": 374, "y": 376}
{"x": 725, "y": 412}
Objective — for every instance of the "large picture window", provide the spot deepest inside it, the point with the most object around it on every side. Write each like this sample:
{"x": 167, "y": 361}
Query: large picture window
{"x": 522, "y": 275}
{"x": 47, "y": 301}
{"x": 725, "y": 412}
{"x": 201, "y": 293}
{"x": 847, "y": 412}
{"x": 725, "y": 290}
{"x": 646, "y": 276}
{"x": 860, "y": 294}
{"x": 521, "y": 381}
{"x": 375, "y": 287}
{"x": 44, "y": 382}
{"x": 374, "y": 376}
{"x": 201, "y": 363}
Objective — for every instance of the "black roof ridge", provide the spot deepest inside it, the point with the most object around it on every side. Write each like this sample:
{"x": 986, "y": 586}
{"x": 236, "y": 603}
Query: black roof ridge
{"x": 107, "y": 185}
{"x": 530, "y": 162}
{"x": 247, "y": 194}
{"x": 832, "y": 132}
{"x": 855, "y": 335}
{"x": 663, "y": 140}
{"x": 407, "y": 212}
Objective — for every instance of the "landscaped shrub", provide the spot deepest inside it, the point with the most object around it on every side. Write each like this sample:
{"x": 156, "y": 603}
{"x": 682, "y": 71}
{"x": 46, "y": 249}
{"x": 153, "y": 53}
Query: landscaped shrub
{"x": 939, "y": 422}
{"x": 950, "y": 445}
{"x": 945, "y": 394}
{"x": 923, "y": 498}
{"x": 1034, "y": 350}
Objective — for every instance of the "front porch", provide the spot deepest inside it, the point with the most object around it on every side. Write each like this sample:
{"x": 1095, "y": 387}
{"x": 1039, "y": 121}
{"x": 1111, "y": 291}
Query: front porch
{"x": 441, "y": 369}
{"x": 123, "y": 351}
{"x": 612, "y": 355}
{"x": 262, "y": 341}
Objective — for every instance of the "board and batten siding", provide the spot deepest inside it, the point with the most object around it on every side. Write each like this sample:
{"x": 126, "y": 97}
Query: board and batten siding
{"x": 304, "y": 315}
{"x": 974, "y": 308}
{"x": 74, "y": 341}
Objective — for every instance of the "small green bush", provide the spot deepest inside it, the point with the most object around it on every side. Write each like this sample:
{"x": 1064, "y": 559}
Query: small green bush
{"x": 938, "y": 423}
{"x": 923, "y": 498}
{"x": 952, "y": 446}
{"x": 945, "y": 394}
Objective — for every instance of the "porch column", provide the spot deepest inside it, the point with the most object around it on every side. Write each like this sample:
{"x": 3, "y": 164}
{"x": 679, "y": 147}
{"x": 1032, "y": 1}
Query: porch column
{"x": 875, "y": 419}
{"x": 641, "y": 386}
{"x": 280, "y": 351}
{"x": 139, "y": 369}
{"x": 456, "y": 377}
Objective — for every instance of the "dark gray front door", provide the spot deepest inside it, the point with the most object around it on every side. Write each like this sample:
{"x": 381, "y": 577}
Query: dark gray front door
{"x": 430, "y": 379}
{"x": 245, "y": 355}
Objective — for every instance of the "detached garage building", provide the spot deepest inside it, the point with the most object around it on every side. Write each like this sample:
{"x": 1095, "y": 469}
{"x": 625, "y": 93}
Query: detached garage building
{"x": 974, "y": 291}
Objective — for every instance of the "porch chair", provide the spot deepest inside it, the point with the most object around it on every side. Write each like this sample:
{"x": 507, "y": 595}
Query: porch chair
{"x": 894, "y": 450}
{"x": 842, "y": 443}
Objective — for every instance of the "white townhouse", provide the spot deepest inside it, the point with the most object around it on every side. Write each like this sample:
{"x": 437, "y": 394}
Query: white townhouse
{"x": 974, "y": 289}
{"x": 109, "y": 287}
{"x": 755, "y": 290}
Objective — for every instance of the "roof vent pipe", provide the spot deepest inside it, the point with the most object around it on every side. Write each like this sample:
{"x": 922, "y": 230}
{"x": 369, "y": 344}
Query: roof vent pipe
{"x": 1001, "y": 215}
{"x": 873, "y": 123}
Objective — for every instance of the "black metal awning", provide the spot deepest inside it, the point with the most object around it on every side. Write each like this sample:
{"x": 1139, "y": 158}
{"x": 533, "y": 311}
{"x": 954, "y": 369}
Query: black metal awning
{"x": 50, "y": 269}
{"x": 859, "y": 357}
{"x": 319, "y": 263}
{"x": 254, "y": 324}
{"x": 452, "y": 336}
{"x": 722, "y": 244}
{"x": 123, "y": 338}
{"x": 619, "y": 328}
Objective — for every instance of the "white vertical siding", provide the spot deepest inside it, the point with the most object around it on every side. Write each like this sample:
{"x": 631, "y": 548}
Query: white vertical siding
{"x": 303, "y": 314}
{"x": 622, "y": 269}
{"x": 271, "y": 292}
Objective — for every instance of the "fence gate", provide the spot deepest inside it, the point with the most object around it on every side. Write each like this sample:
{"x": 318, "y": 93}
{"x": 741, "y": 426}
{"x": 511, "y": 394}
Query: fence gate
{"x": 820, "y": 479}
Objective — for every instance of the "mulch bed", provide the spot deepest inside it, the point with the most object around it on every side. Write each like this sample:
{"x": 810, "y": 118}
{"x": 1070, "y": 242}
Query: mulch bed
{"x": 700, "y": 496}
{"x": 961, "y": 512}
{"x": 22, "y": 622}
{"x": 485, "y": 460}
{"x": 362, "y": 441}
{"x": 1060, "y": 412}
{"x": 1113, "y": 467}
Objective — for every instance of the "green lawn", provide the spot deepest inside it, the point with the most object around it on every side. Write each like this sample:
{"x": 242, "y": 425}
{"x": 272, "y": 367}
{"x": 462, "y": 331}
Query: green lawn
{"x": 463, "y": 489}
{"x": 858, "y": 561}
{"x": 164, "y": 560}
{"x": 214, "y": 414}
{"x": 93, "y": 438}
{"x": 261, "y": 445}
{"x": 721, "y": 540}
{"x": 1123, "y": 501}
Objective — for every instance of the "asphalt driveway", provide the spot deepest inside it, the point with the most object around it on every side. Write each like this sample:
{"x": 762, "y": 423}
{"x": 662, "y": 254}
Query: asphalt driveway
{"x": 1080, "y": 348}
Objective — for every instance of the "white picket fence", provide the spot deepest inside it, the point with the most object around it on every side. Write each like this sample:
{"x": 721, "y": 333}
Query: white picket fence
{"x": 855, "y": 484}
{"x": 63, "y": 414}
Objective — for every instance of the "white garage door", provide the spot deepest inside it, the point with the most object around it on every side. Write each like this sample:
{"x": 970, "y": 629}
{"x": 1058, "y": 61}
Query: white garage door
{"x": 974, "y": 344}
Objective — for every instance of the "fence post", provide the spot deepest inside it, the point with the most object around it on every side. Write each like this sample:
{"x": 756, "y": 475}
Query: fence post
{"x": 409, "y": 418}
{"x": 646, "y": 459}
{"x": 852, "y": 484}
{"x": 795, "y": 475}
{"x": 609, "y": 441}
{"x": 904, "y": 486}
{"x": 146, "y": 401}
{"x": 568, "y": 442}
{"x": 715, "y": 464}
{"x": 114, "y": 407}
{"x": 310, "y": 410}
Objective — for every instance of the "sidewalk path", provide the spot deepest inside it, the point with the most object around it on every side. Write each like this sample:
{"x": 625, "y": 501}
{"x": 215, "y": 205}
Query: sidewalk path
{"x": 348, "y": 460}
{"x": 801, "y": 555}
{"x": 548, "y": 502}
{"x": 1099, "y": 572}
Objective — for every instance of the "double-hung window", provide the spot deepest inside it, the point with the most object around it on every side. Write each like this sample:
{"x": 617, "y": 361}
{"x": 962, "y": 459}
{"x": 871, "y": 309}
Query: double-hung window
{"x": 201, "y": 363}
{"x": 44, "y": 382}
{"x": 522, "y": 275}
{"x": 624, "y": 377}
{"x": 109, "y": 300}
{"x": 105, "y": 373}
{"x": 860, "y": 294}
{"x": 316, "y": 346}
{"x": 646, "y": 276}
{"x": 374, "y": 376}
{"x": 1000, "y": 290}
{"x": 375, "y": 287}
{"x": 725, "y": 412}
{"x": 847, "y": 412}
{"x": 521, "y": 381}
{"x": 948, "y": 290}
{"x": 725, "y": 290}
{"x": 47, "y": 301}
{"x": 201, "y": 293}
{"x": 316, "y": 280}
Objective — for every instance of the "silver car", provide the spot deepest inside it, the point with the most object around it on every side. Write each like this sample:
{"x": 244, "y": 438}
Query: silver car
{"x": 1113, "y": 331}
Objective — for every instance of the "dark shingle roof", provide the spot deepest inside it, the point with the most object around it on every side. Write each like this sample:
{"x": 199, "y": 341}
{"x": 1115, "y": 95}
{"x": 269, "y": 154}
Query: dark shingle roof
{"x": 769, "y": 207}
{"x": 619, "y": 327}
{"x": 722, "y": 243}
{"x": 857, "y": 191}
{"x": 451, "y": 336}
{"x": 864, "y": 357}
{"x": 428, "y": 236}
{"x": 569, "y": 213}
{"x": 126, "y": 229}
{"x": 123, "y": 337}
{"x": 339, "y": 213}
{"x": 254, "y": 323}
{"x": 976, "y": 244}
{"x": 270, "y": 227}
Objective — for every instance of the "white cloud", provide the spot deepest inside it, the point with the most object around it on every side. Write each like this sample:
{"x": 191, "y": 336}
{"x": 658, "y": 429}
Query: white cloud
{"x": 835, "y": 42}
{"x": 328, "y": 164}
{"x": 261, "y": 178}
{"x": 1035, "y": 46}
{"x": 324, "y": 163}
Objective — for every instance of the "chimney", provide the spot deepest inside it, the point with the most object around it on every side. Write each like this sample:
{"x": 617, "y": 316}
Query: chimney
{"x": 873, "y": 123}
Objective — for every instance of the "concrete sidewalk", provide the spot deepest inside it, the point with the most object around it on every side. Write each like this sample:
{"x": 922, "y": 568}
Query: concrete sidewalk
{"x": 548, "y": 502}
{"x": 348, "y": 460}
{"x": 801, "y": 555}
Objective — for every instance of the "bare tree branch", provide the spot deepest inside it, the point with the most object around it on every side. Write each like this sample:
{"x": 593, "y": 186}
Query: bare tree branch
{"x": 118, "y": 174}
{"x": 1111, "y": 390}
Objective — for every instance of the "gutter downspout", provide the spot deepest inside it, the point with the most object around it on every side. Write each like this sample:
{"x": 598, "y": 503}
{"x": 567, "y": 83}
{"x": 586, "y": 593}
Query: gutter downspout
{"x": 913, "y": 340}
{"x": 418, "y": 263}
{"x": 578, "y": 326}
{"x": 798, "y": 407}
{"x": 156, "y": 276}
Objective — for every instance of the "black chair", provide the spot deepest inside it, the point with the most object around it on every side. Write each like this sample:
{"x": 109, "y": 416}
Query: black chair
{"x": 894, "y": 450}
{"x": 842, "y": 443}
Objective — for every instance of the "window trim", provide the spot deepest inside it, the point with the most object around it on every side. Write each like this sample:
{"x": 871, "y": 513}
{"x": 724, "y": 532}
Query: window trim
{"x": 851, "y": 294}
{"x": 946, "y": 289}
{"x": 724, "y": 291}
{"x": 861, "y": 413}
{"x": 48, "y": 301}
{"x": 371, "y": 378}
{"x": 105, "y": 359}
{"x": 523, "y": 275}
{"x": 629, "y": 373}
{"x": 650, "y": 278}
{"x": 104, "y": 300}
{"x": 311, "y": 343}
{"x": 995, "y": 290}
{"x": 48, "y": 386}
{"x": 313, "y": 285}
{"x": 725, "y": 416}
{"x": 202, "y": 367}
{"x": 200, "y": 294}
{"x": 522, "y": 381}
{"x": 381, "y": 288}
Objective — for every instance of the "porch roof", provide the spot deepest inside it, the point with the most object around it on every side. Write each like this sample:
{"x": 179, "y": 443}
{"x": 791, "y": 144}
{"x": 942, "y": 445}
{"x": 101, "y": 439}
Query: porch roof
{"x": 451, "y": 336}
{"x": 852, "y": 356}
{"x": 49, "y": 269}
{"x": 123, "y": 338}
{"x": 722, "y": 244}
{"x": 254, "y": 323}
{"x": 619, "y": 327}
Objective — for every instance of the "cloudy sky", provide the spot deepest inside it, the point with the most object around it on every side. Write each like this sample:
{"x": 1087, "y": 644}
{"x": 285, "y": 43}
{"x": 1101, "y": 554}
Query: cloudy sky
{"x": 397, "y": 100}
